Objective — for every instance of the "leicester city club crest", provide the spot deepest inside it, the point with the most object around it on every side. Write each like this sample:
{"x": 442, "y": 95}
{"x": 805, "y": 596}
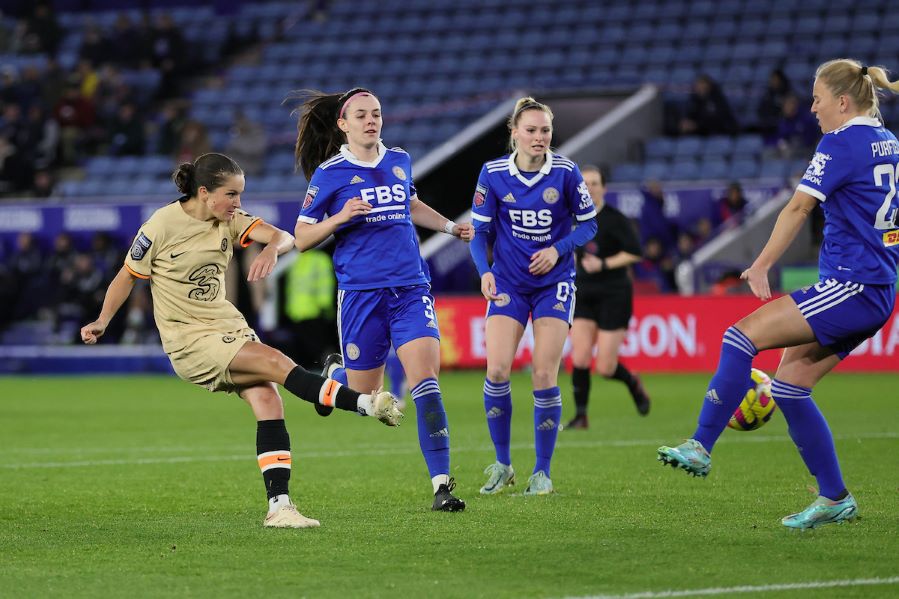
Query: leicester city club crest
{"x": 550, "y": 195}
{"x": 400, "y": 173}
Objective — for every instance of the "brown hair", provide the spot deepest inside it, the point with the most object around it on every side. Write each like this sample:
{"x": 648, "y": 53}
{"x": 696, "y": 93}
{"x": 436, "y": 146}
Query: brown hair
{"x": 588, "y": 168}
{"x": 847, "y": 76}
{"x": 523, "y": 104}
{"x": 318, "y": 137}
{"x": 209, "y": 171}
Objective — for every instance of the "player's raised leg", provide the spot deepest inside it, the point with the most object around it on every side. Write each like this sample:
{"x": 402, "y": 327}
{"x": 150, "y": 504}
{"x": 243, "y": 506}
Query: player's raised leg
{"x": 257, "y": 362}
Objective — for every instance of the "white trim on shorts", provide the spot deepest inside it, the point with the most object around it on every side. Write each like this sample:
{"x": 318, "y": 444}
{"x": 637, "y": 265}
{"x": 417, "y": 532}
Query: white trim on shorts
{"x": 834, "y": 294}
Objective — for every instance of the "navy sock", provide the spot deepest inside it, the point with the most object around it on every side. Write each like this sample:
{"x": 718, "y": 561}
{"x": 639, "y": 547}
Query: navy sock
{"x": 547, "y": 413}
{"x": 727, "y": 387}
{"x": 812, "y": 436}
{"x": 498, "y": 405}
{"x": 433, "y": 430}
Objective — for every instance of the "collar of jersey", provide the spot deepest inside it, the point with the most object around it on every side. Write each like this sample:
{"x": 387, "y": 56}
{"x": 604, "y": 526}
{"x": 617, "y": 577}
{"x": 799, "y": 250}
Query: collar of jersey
{"x": 859, "y": 120}
{"x": 350, "y": 157}
{"x": 544, "y": 170}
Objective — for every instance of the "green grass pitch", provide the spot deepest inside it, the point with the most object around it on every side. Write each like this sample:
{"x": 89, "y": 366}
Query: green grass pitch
{"x": 148, "y": 486}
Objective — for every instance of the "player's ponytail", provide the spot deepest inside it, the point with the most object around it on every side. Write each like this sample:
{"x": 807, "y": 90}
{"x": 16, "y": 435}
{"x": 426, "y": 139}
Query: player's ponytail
{"x": 846, "y": 76}
{"x": 522, "y": 105}
{"x": 209, "y": 171}
{"x": 318, "y": 137}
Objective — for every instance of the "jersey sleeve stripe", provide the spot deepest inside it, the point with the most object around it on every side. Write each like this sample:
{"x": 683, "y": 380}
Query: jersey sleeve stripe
{"x": 483, "y": 219}
{"x": 244, "y": 238}
{"x": 811, "y": 191}
{"x": 307, "y": 219}
{"x": 587, "y": 216}
{"x": 136, "y": 274}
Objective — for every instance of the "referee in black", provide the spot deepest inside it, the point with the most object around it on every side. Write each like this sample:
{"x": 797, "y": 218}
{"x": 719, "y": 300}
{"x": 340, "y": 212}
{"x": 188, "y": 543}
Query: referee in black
{"x": 605, "y": 298}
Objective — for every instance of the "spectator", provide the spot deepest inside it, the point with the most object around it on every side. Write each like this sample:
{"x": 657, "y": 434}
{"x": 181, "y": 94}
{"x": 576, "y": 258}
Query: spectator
{"x": 707, "y": 111}
{"x": 194, "y": 142}
{"x": 653, "y": 222}
{"x": 168, "y": 52}
{"x": 76, "y": 117}
{"x": 797, "y": 130}
{"x": 42, "y": 186}
{"x": 53, "y": 83}
{"x": 730, "y": 209}
{"x": 124, "y": 43}
{"x": 168, "y": 130}
{"x": 770, "y": 107}
{"x": 247, "y": 146}
{"x": 657, "y": 266}
{"x": 88, "y": 77}
{"x": 94, "y": 46}
{"x": 126, "y": 133}
{"x": 44, "y": 30}
{"x": 26, "y": 267}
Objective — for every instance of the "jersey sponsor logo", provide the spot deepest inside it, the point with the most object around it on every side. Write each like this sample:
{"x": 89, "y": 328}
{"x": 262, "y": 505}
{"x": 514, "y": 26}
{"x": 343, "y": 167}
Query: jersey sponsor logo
{"x": 384, "y": 194}
{"x": 550, "y": 195}
{"x": 352, "y": 351}
{"x": 140, "y": 247}
{"x": 224, "y": 245}
{"x": 508, "y": 198}
{"x": 229, "y": 338}
{"x": 532, "y": 218}
{"x": 311, "y": 192}
{"x": 356, "y": 179}
{"x": 815, "y": 169}
{"x": 400, "y": 173}
{"x": 891, "y": 238}
{"x": 207, "y": 284}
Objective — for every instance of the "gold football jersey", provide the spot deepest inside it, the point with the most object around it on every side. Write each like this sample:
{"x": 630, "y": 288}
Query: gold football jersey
{"x": 185, "y": 260}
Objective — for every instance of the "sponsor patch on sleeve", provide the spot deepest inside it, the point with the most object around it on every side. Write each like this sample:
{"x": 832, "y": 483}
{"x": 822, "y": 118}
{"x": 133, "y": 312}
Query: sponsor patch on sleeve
{"x": 891, "y": 238}
{"x": 480, "y": 193}
{"x": 140, "y": 247}
{"x": 311, "y": 192}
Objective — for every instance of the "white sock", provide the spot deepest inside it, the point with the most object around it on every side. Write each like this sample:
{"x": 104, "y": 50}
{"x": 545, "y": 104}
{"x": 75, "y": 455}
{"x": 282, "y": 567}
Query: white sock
{"x": 364, "y": 404}
{"x": 440, "y": 479}
{"x": 276, "y": 502}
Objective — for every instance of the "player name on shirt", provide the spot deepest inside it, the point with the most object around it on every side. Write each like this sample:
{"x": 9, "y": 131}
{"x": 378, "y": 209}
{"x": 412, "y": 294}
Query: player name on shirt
{"x": 887, "y": 147}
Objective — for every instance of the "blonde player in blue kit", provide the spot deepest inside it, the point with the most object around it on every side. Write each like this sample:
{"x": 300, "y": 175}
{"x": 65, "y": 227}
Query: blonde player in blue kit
{"x": 362, "y": 193}
{"x": 854, "y": 175}
{"x": 526, "y": 203}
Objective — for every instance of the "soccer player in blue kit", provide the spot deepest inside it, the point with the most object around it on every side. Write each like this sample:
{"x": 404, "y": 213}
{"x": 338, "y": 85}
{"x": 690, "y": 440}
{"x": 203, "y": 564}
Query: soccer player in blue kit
{"x": 526, "y": 203}
{"x": 362, "y": 192}
{"x": 853, "y": 174}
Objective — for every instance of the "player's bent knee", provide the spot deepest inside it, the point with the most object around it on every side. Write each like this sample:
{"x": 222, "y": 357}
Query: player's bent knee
{"x": 499, "y": 374}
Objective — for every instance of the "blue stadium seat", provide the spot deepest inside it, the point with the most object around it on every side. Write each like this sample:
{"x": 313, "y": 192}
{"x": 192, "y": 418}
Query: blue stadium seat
{"x": 775, "y": 169}
{"x": 688, "y": 146}
{"x": 744, "y": 168}
{"x": 627, "y": 173}
{"x": 715, "y": 169}
{"x": 656, "y": 171}
{"x": 684, "y": 170}
{"x": 748, "y": 145}
{"x": 659, "y": 148}
{"x": 718, "y": 145}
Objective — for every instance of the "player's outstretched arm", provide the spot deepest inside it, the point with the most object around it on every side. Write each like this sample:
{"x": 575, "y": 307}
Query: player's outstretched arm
{"x": 118, "y": 291}
{"x": 789, "y": 222}
{"x": 276, "y": 242}
{"x": 425, "y": 216}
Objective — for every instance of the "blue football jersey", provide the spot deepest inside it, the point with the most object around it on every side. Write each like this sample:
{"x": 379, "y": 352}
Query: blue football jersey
{"x": 380, "y": 249}
{"x": 854, "y": 174}
{"x": 527, "y": 212}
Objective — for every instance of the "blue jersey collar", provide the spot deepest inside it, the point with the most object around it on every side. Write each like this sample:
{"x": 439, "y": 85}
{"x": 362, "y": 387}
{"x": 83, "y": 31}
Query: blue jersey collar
{"x": 350, "y": 157}
{"x": 859, "y": 120}
{"x": 544, "y": 170}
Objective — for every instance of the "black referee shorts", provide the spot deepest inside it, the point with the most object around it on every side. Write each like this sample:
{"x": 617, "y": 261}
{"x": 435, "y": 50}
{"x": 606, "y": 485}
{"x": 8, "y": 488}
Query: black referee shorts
{"x": 610, "y": 310}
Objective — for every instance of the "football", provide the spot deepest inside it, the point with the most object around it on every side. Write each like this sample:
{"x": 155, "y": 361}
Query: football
{"x": 757, "y": 406}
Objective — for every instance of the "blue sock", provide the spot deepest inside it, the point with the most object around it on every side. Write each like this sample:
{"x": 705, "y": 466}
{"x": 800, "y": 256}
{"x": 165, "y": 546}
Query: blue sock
{"x": 498, "y": 405}
{"x": 339, "y": 375}
{"x": 433, "y": 430}
{"x": 812, "y": 436}
{"x": 727, "y": 387}
{"x": 396, "y": 374}
{"x": 547, "y": 414}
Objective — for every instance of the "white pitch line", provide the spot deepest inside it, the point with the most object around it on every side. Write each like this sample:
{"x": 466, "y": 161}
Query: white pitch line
{"x": 764, "y": 588}
{"x": 405, "y": 449}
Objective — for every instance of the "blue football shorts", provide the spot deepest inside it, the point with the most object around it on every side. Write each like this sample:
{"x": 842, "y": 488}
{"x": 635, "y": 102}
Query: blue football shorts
{"x": 556, "y": 301}
{"x": 842, "y": 314}
{"x": 369, "y": 321}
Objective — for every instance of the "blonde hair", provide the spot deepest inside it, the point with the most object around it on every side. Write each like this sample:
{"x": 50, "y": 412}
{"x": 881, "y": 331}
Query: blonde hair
{"x": 847, "y": 76}
{"x": 523, "y": 104}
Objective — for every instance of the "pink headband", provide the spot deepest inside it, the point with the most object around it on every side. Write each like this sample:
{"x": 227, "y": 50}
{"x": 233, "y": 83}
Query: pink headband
{"x": 350, "y": 99}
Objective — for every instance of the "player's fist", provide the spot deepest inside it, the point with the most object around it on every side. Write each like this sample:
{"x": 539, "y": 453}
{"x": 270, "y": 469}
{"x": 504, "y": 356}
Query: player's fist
{"x": 93, "y": 331}
{"x": 488, "y": 287}
{"x": 464, "y": 231}
{"x": 353, "y": 208}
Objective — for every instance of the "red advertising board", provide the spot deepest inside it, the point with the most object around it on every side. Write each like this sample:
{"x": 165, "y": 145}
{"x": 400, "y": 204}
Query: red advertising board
{"x": 666, "y": 334}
